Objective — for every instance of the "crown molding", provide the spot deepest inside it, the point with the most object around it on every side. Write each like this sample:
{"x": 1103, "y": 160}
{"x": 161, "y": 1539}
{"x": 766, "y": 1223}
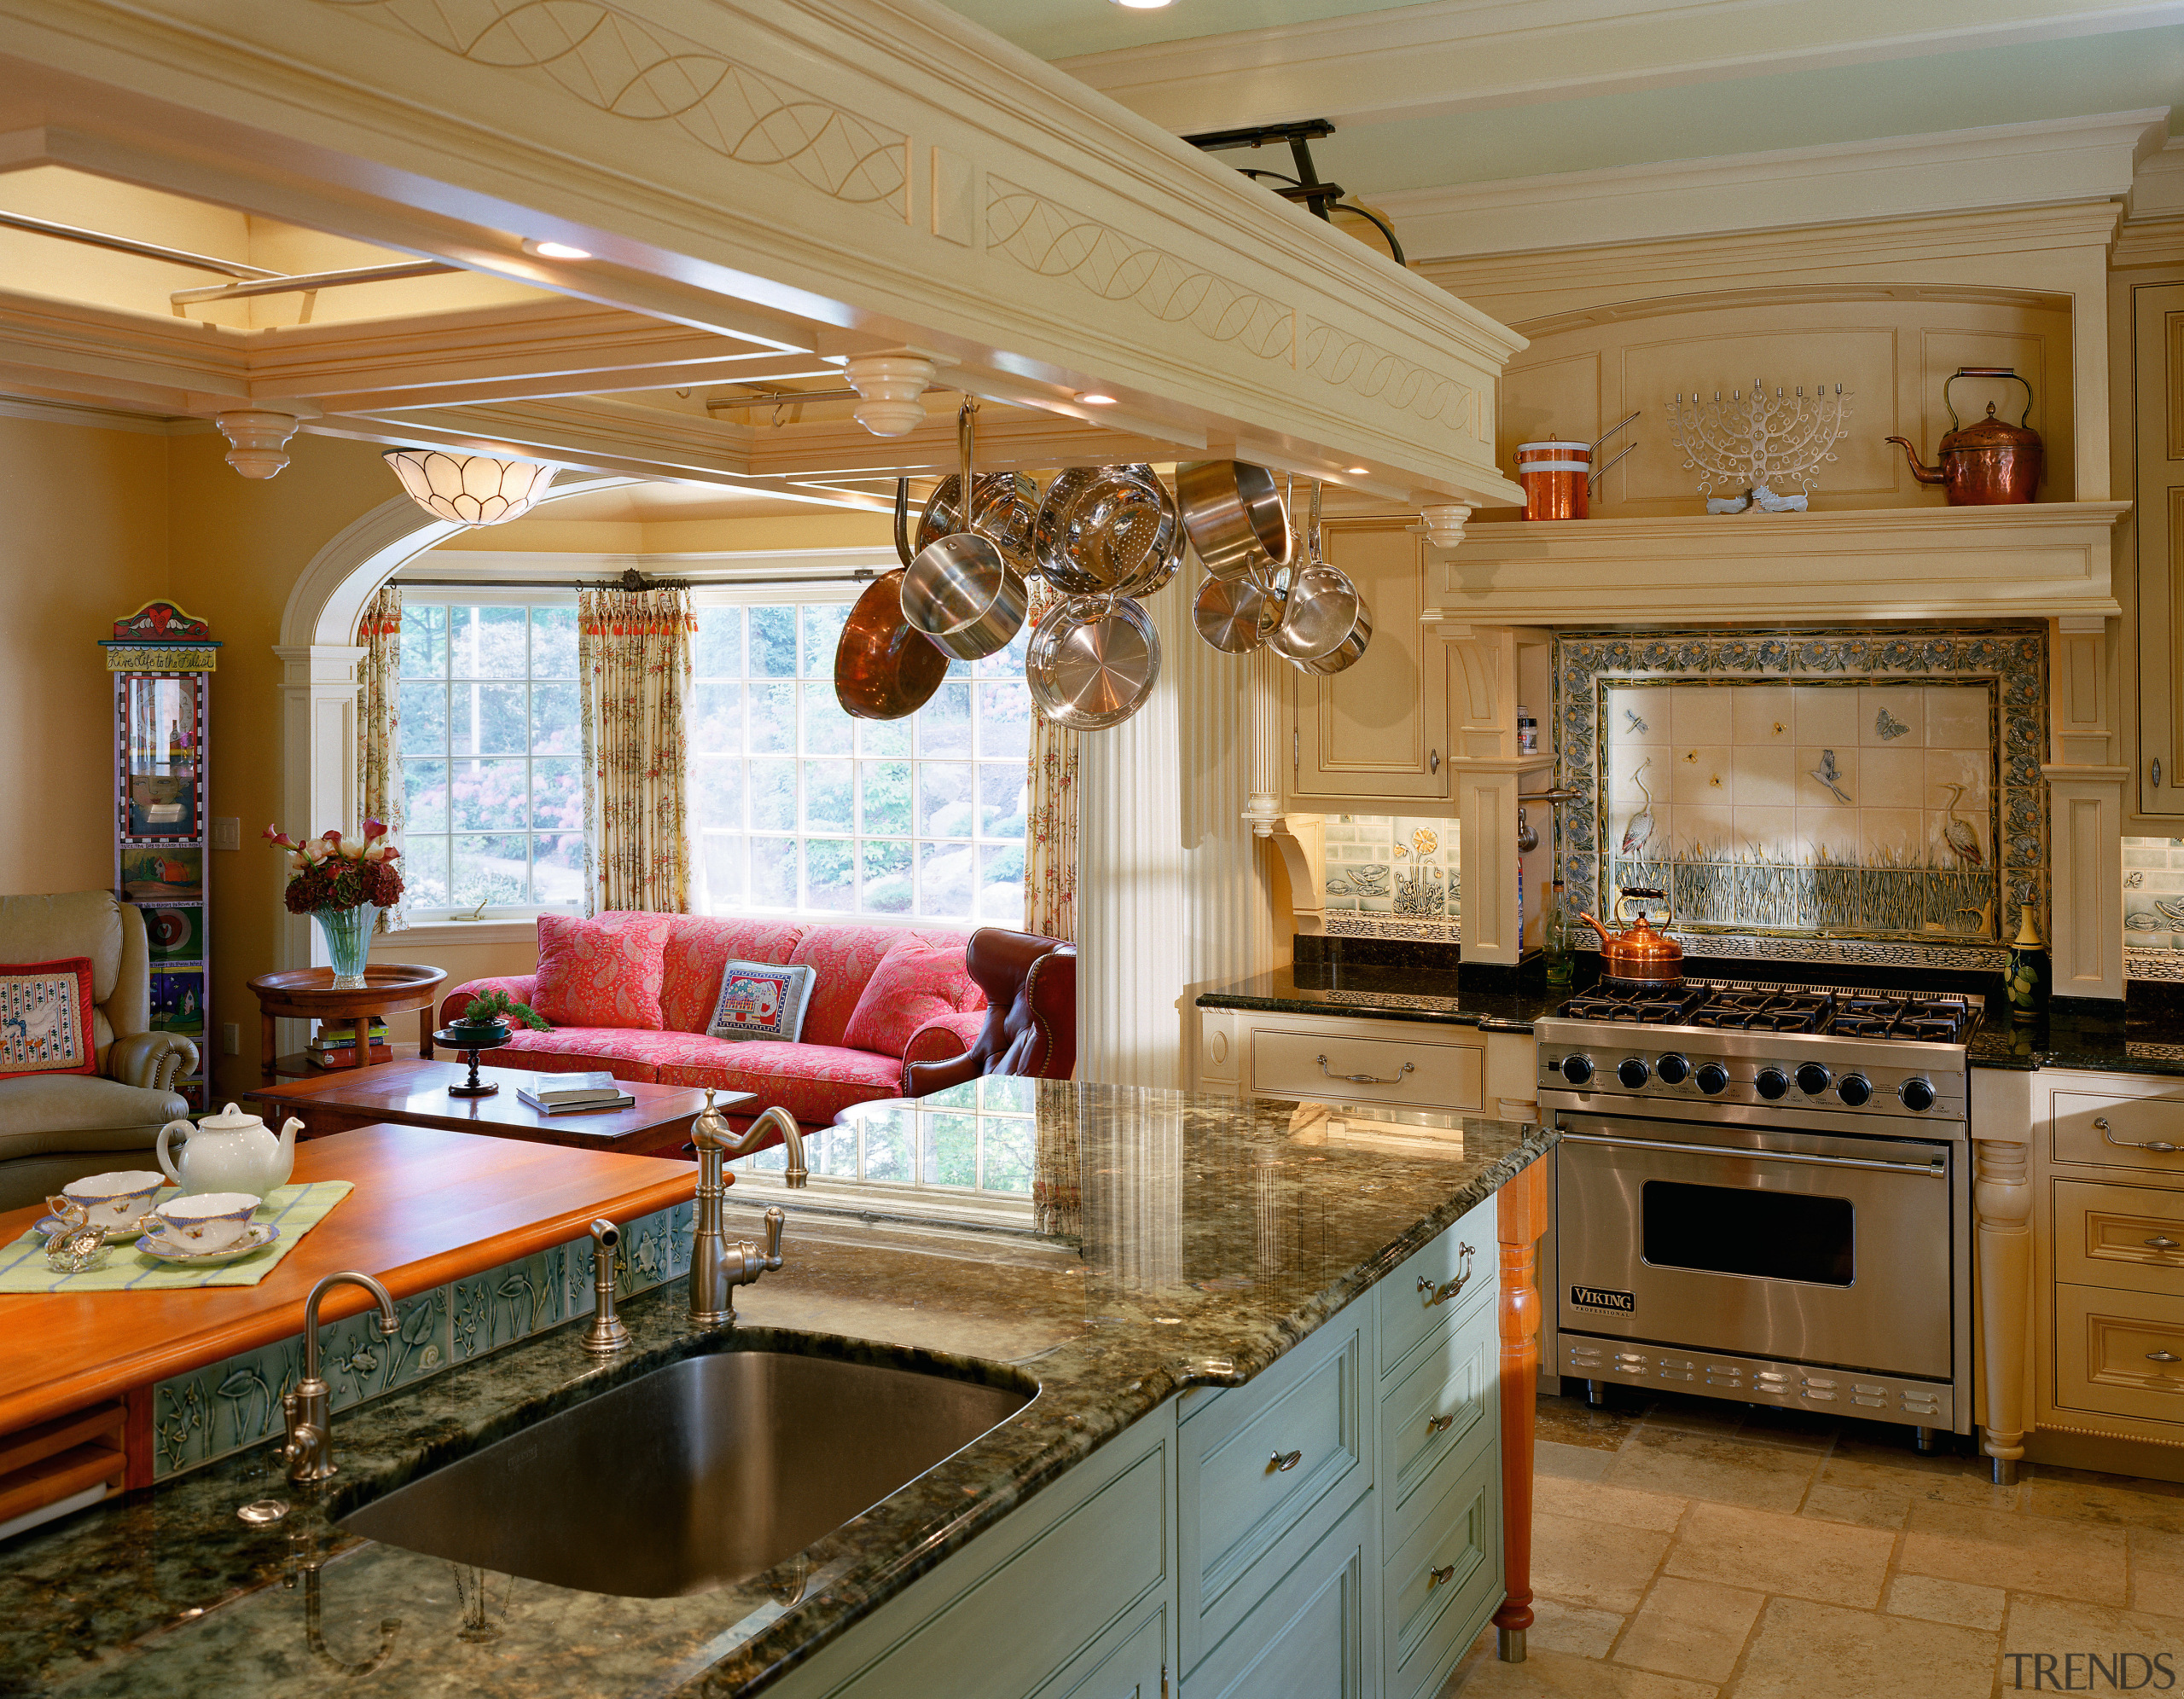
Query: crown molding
{"x": 99, "y": 417}
{"x": 487, "y": 565}
{"x": 1459, "y": 55}
{"x": 2050, "y": 162}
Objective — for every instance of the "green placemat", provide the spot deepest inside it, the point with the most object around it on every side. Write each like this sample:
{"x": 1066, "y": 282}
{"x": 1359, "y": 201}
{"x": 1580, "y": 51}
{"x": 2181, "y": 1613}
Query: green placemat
{"x": 295, "y": 1209}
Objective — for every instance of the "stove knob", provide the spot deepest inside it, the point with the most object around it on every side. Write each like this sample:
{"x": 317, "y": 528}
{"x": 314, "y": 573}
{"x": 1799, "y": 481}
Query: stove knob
{"x": 1577, "y": 1069}
{"x": 1854, "y": 1089}
{"x": 1632, "y": 1071}
{"x": 1917, "y": 1094}
{"x": 1813, "y": 1078}
{"x": 1772, "y": 1083}
{"x": 1672, "y": 1069}
{"x": 1713, "y": 1077}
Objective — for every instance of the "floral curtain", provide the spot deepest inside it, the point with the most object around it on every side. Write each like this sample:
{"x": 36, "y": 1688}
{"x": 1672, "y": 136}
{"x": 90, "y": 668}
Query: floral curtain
{"x": 1050, "y": 817}
{"x": 633, "y": 659}
{"x": 379, "y": 725}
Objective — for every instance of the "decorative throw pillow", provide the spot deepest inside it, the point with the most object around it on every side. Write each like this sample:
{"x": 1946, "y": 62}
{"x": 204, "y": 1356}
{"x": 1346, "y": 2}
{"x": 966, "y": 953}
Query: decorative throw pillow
{"x": 45, "y": 1018}
{"x": 914, "y": 983}
{"x": 762, "y": 1000}
{"x": 604, "y": 971}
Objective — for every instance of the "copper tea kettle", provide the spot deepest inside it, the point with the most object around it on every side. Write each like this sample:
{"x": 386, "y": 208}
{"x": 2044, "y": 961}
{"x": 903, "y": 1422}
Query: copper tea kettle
{"x": 1989, "y": 461}
{"x": 1638, "y": 952}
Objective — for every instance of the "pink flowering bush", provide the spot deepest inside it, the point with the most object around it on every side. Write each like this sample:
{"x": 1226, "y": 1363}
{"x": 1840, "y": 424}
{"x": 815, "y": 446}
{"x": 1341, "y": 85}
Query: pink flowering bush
{"x": 334, "y": 871}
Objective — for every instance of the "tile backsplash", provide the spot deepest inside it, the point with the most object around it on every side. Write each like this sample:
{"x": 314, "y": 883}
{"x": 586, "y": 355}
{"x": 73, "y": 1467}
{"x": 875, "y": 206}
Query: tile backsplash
{"x": 2154, "y": 907}
{"x": 1393, "y": 875}
{"x": 1855, "y": 795}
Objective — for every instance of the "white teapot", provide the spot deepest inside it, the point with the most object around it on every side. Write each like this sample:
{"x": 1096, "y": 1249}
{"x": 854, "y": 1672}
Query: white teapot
{"x": 229, "y": 1151}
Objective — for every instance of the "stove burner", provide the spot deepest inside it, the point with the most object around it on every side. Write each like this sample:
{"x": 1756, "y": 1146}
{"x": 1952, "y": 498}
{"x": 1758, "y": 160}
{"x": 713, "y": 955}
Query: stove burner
{"x": 1844, "y": 1014}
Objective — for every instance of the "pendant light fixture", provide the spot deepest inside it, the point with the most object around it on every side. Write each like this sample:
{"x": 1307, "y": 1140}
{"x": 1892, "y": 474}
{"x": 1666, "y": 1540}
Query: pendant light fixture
{"x": 471, "y": 489}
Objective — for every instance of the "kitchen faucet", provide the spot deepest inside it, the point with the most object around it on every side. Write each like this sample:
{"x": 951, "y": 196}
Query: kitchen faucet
{"x": 309, "y": 1447}
{"x": 717, "y": 1265}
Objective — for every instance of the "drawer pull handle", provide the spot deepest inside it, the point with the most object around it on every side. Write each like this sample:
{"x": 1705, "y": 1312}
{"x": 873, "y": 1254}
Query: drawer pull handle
{"x": 1440, "y": 1577}
{"x": 1438, "y": 1424}
{"x": 1394, "y": 1079}
{"x": 2160, "y": 1147}
{"x": 1431, "y": 1295}
{"x": 1282, "y": 1462}
{"x": 2163, "y": 1357}
{"x": 2161, "y": 1242}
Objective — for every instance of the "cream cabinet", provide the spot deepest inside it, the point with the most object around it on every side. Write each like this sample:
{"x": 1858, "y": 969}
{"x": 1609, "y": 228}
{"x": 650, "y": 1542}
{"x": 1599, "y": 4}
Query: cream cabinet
{"x": 2157, "y": 387}
{"x": 1373, "y": 739}
{"x": 1398, "y": 1064}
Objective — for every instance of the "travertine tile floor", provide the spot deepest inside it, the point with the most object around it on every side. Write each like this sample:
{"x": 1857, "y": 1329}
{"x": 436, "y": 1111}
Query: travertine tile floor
{"x": 1687, "y": 1549}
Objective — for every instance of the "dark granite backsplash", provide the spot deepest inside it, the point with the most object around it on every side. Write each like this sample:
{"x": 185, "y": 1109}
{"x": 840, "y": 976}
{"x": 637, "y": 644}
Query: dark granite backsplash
{"x": 1205, "y": 1237}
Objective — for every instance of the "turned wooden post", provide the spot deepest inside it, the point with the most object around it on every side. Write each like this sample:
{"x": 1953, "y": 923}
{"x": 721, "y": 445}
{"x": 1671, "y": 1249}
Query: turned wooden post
{"x": 2002, "y": 1209}
{"x": 1520, "y": 1219}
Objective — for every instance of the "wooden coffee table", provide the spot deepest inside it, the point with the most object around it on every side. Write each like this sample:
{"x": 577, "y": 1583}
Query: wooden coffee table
{"x": 414, "y": 1094}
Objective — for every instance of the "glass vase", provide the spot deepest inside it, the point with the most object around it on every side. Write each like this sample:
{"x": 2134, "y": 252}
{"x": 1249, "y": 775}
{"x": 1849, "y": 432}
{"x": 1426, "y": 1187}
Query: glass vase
{"x": 348, "y": 942}
{"x": 1556, "y": 945}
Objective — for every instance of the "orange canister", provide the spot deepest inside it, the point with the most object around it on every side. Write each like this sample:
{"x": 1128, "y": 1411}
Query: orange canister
{"x": 1554, "y": 474}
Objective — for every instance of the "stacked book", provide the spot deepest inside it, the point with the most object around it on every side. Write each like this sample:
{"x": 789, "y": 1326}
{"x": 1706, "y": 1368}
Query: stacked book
{"x": 573, "y": 1093}
{"x": 335, "y": 1047}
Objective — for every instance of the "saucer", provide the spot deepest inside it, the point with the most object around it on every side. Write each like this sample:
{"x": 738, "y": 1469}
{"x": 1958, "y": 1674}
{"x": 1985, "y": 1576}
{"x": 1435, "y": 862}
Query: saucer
{"x": 255, "y": 1238}
{"x": 48, "y": 1226}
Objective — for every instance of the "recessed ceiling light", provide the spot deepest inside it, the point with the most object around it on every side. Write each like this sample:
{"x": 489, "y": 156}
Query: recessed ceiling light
{"x": 1142, "y": 5}
{"x": 1357, "y": 471}
{"x": 1093, "y": 398}
{"x": 531, "y": 244}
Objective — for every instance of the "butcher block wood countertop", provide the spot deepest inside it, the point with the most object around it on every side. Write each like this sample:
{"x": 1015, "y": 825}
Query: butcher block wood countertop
{"x": 429, "y": 1206}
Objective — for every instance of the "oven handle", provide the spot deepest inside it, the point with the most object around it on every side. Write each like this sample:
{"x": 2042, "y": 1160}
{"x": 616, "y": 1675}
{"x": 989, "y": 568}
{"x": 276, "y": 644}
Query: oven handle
{"x": 1936, "y": 1168}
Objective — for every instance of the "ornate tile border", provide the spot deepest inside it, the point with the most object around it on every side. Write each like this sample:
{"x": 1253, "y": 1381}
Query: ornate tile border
{"x": 1338, "y": 925}
{"x": 2014, "y": 658}
{"x": 209, "y": 1413}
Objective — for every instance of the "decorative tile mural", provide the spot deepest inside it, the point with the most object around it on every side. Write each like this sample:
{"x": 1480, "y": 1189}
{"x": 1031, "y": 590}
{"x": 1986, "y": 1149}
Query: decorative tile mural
{"x": 1821, "y": 796}
{"x": 2153, "y": 908}
{"x": 1392, "y": 876}
{"x": 208, "y": 1413}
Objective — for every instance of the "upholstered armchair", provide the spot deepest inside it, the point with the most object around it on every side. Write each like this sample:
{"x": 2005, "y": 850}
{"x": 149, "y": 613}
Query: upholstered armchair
{"x": 1029, "y": 1026}
{"x": 56, "y": 1128}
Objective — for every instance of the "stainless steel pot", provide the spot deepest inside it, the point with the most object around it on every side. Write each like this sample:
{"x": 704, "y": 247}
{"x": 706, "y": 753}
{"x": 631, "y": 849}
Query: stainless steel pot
{"x": 1092, "y": 663}
{"x": 1235, "y": 615}
{"x": 1108, "y": 530}
{"x": 1234, "y": 514}
{"x": 961, "y": 591}
{"x": 1004, "y": 508}
{"x": 1326, "y": 625}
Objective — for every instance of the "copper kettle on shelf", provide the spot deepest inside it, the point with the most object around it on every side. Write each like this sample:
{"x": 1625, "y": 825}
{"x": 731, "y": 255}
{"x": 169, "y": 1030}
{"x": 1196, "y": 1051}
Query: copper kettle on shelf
{"x": 1989, "y": 461}
{"x": 1638, "y": 952}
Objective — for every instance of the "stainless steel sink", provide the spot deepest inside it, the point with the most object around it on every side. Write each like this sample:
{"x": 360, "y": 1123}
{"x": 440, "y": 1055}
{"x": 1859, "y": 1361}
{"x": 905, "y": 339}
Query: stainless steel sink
{"x": 701, "y": 1473}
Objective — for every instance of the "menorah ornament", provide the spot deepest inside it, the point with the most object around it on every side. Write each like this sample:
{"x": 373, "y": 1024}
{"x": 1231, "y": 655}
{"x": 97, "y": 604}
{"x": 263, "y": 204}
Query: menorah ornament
{"x": 1759, "y": 441}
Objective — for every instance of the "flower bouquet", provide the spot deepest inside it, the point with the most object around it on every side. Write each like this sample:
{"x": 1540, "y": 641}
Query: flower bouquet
{"x": 339, "y": 881}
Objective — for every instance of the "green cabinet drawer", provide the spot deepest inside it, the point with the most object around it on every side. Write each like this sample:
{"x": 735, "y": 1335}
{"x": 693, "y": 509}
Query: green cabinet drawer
{"x": 1445, "y": 1581}
{"x": 1439, "y": 1285}
{"x": 1135, "y": 1669}
{"x": 1444, "y": 1409}
{"x": 1263, "y": 1469}
{"x": 1313, "y": 1635}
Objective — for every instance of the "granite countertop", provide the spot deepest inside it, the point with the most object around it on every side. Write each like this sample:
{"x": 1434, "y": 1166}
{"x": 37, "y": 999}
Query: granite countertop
{"x": 2145, "y": 1036}
{"x": 1149, "y": 1241}
{"x": 1387, "y": 993}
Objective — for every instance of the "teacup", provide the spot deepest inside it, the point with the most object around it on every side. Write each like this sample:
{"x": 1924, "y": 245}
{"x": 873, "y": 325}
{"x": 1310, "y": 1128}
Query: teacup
{"x": 109, "y": 1200}
{"x": 210, "y": 1220}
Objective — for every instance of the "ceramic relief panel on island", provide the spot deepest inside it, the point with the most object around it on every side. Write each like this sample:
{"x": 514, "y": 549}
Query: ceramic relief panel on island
{"x": 1849, "y": 796}
{"x": 1392, "y": 876}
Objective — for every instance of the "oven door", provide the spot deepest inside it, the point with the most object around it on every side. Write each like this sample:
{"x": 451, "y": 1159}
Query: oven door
{"x": 1806, "y": 1247}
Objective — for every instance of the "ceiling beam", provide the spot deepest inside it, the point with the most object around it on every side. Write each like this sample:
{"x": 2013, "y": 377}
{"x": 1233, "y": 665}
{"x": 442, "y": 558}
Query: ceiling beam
{"x": 1463, "y": 55}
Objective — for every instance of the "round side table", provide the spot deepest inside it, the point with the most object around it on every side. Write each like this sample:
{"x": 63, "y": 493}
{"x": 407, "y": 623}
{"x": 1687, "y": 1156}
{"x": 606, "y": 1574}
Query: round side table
{"x": 308, "y": 994}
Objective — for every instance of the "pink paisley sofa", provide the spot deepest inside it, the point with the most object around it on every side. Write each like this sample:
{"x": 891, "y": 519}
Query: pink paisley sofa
{"x": 932, "y": 1010}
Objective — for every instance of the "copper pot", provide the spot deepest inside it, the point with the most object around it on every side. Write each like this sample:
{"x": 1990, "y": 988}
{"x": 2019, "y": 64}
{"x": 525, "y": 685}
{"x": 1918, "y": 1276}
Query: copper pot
{"x": 1988, "y": 462}
{"x": 1638, "y": 952}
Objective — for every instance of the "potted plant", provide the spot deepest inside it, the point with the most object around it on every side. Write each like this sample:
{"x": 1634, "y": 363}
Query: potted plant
{"x": 339, "y": 881}
{"x": 491, "y": 1011}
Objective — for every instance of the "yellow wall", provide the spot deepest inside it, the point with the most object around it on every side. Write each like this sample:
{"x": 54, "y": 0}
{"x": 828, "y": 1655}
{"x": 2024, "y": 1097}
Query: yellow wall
{"x": 85, "y": 541}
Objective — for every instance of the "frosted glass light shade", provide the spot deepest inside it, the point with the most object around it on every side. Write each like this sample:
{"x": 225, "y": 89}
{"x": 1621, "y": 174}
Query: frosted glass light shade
{"x": 471, "y": 489}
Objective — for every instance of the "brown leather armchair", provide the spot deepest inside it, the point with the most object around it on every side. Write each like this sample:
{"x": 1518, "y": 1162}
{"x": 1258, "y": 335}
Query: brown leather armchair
{"x": 1031, "y": 1023}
